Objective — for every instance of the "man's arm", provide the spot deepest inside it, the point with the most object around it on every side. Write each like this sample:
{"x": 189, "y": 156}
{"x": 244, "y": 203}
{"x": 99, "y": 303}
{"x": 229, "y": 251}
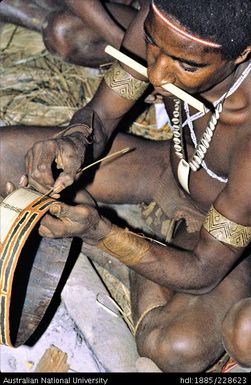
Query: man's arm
{"x": 200, "y": 270}
{"x": 68, "y": 151}
{"x": 196, "y": 271}
{"x": 109, "y": 106}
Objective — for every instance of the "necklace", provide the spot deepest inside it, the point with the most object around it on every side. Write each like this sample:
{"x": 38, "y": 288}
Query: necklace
{"x": 190, "y": 119}
{"x": 197, "y": 160}
{"x": 194, "y": 164}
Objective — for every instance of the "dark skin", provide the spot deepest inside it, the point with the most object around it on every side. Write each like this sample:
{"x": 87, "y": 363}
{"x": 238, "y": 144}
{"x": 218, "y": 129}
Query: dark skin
{"x": 195, "y": 285}
{"x": 24, "y": 13}
{"x": 237, "y": 332}
{"x": 76, "y": 30}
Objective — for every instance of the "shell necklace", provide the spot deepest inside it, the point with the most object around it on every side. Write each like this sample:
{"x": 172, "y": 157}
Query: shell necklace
{"x": 194, "y": 164}
{"x": 197, "y": 160}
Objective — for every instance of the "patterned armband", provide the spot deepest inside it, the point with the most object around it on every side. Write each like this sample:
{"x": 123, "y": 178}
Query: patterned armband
{"x": 127, "y": 247}
{"x": 225, "y": 230}
{"x": 124, "y": 84}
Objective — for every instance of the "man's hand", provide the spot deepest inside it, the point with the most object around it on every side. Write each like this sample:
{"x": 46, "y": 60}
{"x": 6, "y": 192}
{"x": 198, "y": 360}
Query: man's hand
{"x": 82, "y": 220}
{"x": 10, "y": 187}
{"x": 67, "y": 152}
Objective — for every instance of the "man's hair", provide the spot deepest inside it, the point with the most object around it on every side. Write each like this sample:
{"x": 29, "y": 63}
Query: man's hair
{"x": 225, "y": 22}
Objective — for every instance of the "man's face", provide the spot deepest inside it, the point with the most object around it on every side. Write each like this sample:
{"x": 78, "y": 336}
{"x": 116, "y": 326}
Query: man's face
{"x": 174, "y": 58}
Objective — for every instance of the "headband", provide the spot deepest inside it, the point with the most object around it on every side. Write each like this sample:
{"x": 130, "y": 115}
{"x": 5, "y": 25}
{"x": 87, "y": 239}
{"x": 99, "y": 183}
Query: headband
{"x": 181, "y": 31}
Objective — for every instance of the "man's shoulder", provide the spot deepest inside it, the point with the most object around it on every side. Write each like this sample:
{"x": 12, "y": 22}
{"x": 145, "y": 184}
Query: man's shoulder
{"x": 240, "y": 175}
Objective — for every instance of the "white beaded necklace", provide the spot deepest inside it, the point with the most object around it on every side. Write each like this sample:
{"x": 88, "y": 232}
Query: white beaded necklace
{"x": 190, "y": 119}
{"x": 201, "y": 148}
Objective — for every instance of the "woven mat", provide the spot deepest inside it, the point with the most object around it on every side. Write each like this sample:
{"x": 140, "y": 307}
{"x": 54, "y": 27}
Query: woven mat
{"x": 37, "y": 88}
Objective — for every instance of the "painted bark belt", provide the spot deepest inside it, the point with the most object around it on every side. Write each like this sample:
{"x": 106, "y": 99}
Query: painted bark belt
{"x": 26, "y": 284}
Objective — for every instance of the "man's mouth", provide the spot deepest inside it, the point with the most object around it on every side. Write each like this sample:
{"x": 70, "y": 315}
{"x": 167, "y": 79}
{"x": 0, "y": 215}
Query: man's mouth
{"x": 162, "y": 92}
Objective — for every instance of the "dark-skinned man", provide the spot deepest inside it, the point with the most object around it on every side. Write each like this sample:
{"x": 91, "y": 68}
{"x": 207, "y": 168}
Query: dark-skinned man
{"x": 180, "y": 292}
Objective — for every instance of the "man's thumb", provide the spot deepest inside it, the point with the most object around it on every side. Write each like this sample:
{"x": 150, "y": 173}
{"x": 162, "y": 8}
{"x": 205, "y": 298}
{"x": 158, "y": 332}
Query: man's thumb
{"x": 57, "y": 210}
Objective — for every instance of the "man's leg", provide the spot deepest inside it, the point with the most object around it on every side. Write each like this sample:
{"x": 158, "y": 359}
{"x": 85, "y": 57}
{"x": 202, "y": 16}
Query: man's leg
{"x": 64, "y": 33}
{"x": 184, "y": 333}
{"x": 237, "y": 332}
{"x": 130, "y": 178}
{"x": 29, "y": 14}
{"x": 68, "y": 36}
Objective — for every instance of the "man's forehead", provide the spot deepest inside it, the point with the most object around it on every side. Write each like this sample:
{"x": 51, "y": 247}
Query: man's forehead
{"x": 161, "y": 33}
{"x": 175, "y": 45}
{"x": 166, "y": 21}
{"x": 154, "y": 24}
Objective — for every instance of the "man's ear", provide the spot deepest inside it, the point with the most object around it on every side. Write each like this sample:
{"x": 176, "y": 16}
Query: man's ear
{"x": 244, "y": 55}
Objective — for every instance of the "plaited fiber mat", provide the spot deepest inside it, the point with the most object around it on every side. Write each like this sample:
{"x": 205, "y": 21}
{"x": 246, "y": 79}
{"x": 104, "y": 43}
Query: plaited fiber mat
{"x": 37, "y": 88}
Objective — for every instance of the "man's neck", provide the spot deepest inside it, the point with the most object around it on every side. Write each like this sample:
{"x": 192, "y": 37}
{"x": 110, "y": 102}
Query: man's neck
{"x": 224, "y": 86}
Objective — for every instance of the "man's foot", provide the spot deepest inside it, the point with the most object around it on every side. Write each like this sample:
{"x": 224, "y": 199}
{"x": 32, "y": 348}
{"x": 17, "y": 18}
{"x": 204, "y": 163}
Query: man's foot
{"x": 146, "y": 365}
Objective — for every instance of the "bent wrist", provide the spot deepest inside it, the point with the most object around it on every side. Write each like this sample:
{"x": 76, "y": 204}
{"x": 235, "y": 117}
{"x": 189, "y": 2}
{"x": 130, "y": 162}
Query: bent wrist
{"x": 82, "y": 131}
{"x": 98, "y": 232}
{"x": 88, "y": 116}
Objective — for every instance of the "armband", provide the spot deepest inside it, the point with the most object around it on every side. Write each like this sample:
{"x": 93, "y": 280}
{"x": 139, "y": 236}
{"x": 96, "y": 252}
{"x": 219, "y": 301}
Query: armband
{"x": 225, "y": 230}
{"x": 123, "y": 83}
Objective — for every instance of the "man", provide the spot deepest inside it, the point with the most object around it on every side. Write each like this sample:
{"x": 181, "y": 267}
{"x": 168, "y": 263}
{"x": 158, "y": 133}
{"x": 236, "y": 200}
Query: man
{"x": 76, "y": 30}
{"x": 180, "y": 292}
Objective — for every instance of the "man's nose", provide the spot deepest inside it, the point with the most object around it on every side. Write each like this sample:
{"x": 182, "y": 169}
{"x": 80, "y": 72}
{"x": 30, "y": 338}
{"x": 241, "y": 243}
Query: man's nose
{"x": 160, "y": 71}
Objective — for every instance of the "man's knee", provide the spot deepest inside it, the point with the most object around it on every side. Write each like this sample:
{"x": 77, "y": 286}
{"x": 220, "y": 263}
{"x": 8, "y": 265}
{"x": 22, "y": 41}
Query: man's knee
{"x": 174, "y": 349}
{"x": 56, "y": 30}
{"x": 66, "y": 36}
{"x": 237, "y": 332}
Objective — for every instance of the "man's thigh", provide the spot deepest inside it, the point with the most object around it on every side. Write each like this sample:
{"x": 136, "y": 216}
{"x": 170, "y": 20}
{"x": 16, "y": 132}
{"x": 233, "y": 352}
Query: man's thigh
{"x": 133, "y": 177}
{"x": 180, "y": 314}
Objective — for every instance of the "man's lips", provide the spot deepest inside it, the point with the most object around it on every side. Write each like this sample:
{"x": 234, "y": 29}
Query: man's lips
{"x": 162, "y": 92}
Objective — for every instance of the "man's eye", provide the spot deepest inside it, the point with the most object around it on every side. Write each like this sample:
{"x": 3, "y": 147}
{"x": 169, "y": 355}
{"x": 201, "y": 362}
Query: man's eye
{"x": 188, "y": 67}
{"x": 148, "y": 40}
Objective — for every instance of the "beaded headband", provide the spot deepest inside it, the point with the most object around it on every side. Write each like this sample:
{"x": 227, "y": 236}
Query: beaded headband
{"x": 180, "y": 31}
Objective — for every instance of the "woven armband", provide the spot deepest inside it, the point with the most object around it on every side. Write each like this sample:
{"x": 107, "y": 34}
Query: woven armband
{"x": 225, "y": 230}
{"x": 124, "y": 84}
{"x": 127, "y": 247}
